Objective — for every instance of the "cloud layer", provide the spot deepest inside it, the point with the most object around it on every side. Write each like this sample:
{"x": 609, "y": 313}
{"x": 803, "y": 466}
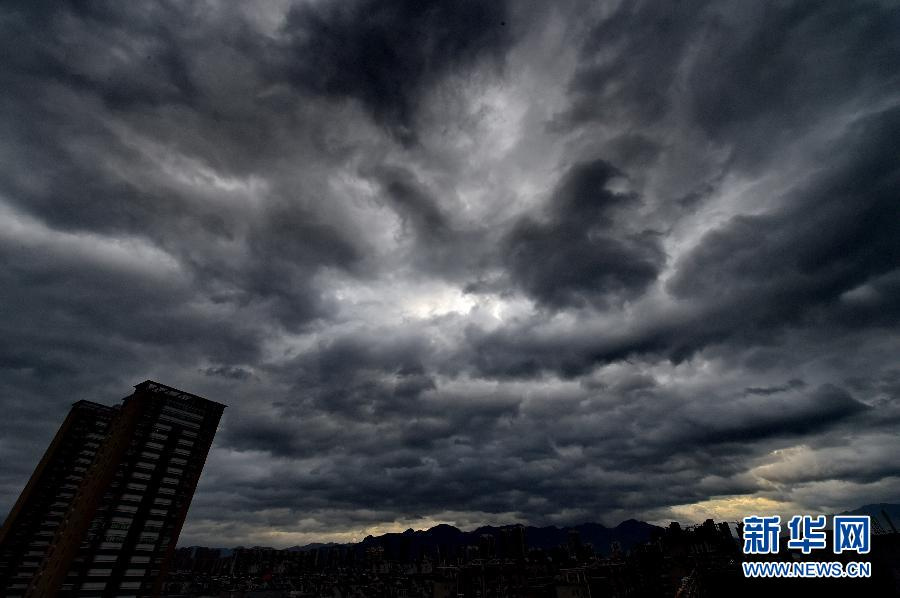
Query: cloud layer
{"x": 462, "y": 262}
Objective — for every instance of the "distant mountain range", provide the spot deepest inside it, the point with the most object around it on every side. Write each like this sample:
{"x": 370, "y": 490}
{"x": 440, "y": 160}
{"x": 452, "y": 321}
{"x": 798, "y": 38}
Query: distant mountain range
{"x": 446, "y": 537}
{"x": 629, "y": 533}
{"x": 877, "y": 511}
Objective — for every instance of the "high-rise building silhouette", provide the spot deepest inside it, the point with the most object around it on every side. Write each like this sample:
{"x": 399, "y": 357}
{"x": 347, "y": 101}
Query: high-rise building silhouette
{"x": 102, "y": 511}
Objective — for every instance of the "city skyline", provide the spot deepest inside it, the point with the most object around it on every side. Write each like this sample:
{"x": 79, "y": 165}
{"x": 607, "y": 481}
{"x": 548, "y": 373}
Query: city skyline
{"x": 462, "y": 262}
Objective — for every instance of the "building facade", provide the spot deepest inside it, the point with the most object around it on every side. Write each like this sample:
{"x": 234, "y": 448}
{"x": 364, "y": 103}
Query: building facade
{"x": 103, "y": 510}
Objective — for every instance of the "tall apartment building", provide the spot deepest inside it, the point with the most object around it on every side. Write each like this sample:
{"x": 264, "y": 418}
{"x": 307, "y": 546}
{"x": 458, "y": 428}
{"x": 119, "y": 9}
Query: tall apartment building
{"x": 102, "y": 511}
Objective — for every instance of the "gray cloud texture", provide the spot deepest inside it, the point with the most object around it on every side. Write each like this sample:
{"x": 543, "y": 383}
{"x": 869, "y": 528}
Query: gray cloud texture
{"x": 462, "y": 261}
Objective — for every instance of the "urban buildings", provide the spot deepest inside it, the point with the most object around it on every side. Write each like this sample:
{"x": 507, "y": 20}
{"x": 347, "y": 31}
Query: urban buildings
{"x": 633, "y": 560}
{"x": 102, "y": 511}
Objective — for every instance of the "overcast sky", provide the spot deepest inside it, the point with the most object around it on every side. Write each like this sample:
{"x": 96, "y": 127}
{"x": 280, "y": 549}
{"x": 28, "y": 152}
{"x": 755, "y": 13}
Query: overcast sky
{"x": 465, "y": 262}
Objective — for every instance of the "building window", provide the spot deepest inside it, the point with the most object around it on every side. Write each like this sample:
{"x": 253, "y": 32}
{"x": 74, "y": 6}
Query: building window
{"x": 183, "y": 412}
{"x": 99, "y": 572}
{"x": 179, "y": 421}
{"x": 111, "y": 545}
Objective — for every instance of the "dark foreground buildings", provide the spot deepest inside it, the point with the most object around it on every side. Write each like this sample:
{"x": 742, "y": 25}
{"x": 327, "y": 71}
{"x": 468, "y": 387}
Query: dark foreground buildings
{"x": 698, "y": 561}
{"x": 102, "y": 511}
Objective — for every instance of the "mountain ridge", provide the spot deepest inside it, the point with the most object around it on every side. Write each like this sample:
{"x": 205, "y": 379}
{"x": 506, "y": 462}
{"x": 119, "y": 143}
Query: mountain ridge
{"x": 627, "y": 533}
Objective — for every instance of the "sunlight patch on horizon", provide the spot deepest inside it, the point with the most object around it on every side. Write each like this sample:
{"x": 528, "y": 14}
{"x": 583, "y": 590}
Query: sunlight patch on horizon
{"x": 732, "y": 508}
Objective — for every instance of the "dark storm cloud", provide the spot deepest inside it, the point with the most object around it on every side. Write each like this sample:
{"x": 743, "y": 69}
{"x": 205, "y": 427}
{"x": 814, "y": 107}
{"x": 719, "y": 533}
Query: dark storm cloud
{"x": 469, "y": 471}
{"x": 832, "y": 236}
{"x": 235, "y": 373}
{"x": 771, "y": 390}
{"x": 461, "y": 261}
{"x": 419, "y": 212}
{"x": 828, "y": 258}
{"x": 388, "y": 55}
{"x": 626, "y": 63}
{"x": 83, "y": 150}
{"x": 792, "y": 67}
{"x": 363, "y": 375}
{"x": 751, "y": 420}
{"x": 578, "y": 254}
{"x": 749, "y": 75}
